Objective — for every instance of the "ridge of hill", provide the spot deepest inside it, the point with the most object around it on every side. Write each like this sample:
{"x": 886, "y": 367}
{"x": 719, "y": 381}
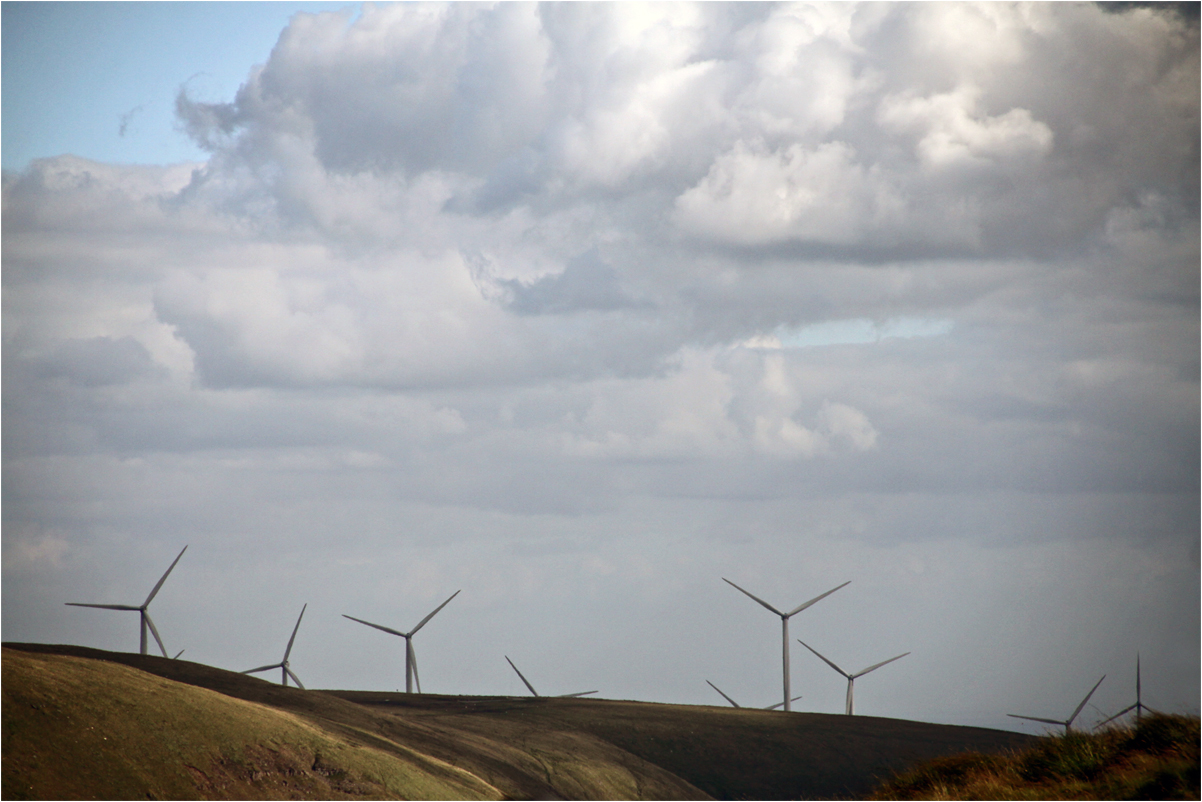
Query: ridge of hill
{"x": 245, "y": 737}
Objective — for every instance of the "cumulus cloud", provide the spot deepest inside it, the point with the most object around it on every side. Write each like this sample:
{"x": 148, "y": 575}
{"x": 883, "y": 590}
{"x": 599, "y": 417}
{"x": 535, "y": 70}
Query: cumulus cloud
{"x": 511, "y": 279}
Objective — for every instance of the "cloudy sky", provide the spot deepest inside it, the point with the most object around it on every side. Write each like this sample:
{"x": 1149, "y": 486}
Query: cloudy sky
{"x": 581, "y": 308}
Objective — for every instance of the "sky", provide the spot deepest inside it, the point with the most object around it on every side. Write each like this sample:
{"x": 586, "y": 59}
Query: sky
{"x": 580, "y": 309}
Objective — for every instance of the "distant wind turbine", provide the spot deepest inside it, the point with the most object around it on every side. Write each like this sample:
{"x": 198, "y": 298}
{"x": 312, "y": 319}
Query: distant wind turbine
{"x": 177, "y": 654}
{"x": 733, "y": 703}
{"x": 1068, "y": 724}
{"x": 535, "y": 693}
{"x": 1138, "y": 707}
{"x": 145, "y": 616}
{"x": 784, "y": 625}
{"x": 285, "y": 671}
{"x": 410, "y": 656}
{"x": 851, "y": 678}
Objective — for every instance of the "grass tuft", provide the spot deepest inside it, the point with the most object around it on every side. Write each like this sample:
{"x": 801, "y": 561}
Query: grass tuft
{"x": 1158, "y": 759}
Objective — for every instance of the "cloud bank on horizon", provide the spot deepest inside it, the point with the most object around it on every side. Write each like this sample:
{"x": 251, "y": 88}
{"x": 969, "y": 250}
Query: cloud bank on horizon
{"x": 580, "y": 307}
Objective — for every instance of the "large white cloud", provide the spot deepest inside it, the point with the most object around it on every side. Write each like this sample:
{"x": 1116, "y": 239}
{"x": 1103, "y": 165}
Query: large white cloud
{"x": 515, "y": 284}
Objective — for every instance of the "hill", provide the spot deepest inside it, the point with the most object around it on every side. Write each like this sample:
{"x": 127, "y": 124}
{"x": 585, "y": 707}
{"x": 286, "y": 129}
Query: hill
{"x": 81, "y": 723}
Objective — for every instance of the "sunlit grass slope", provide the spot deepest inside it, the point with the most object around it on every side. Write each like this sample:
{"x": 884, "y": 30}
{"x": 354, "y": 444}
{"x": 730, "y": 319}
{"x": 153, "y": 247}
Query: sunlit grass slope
{"x": 1156, "y": 760}
{"x": 77, "y": 728}
{"x": 83, "y": 723}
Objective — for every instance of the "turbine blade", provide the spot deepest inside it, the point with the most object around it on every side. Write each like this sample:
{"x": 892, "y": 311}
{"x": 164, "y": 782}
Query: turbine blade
{"x": 1032, "y": 718}
{"x": 733, "y": 703}
{"x": 422, "y": 623}
{"x": 878, "y": 665}
{"x": 757, "y": 598}
{"x": 154, "y": 631}
{"x": 574, "y": 695}
{"x": 164, "y": 577}
{"x": 828, "y": 662}
{"x": 779, "y": 705}
{"x": 377, "y": 626}
{"x": 413, "y": 657}
{"x": 295, "y": 679}
{"x": 288, "y": 651}
{"x": 262, "y": 668}
{"x": 1083, "y": 701}
{"x": 801, "y": 607}
{"x": 526, "y": 681}
{"x": 1137, "y": 695}
{"x": 104, "y": 606}
{"x": 1122, "y": 712}
{"x": 177, "y": 654}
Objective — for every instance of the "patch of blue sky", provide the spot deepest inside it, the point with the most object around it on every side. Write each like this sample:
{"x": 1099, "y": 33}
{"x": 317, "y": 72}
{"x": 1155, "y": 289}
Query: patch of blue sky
{"x": 853, "y": 331}
{"x": 99, "y": 79}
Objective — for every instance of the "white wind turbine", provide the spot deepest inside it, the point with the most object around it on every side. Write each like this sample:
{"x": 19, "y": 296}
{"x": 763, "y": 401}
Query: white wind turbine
{"x": 535, "y": 693}
{"x": 145, "y": 616}
{"x": 410, "y": 656}
{"x": 784, "y": 625}
{"x": 1139, "y": 705}
{"x": 733, "y": 703}
{"x": 851, "y": 678}
{"x": 285, "y": 671}
{"x": 1068, "y": 724}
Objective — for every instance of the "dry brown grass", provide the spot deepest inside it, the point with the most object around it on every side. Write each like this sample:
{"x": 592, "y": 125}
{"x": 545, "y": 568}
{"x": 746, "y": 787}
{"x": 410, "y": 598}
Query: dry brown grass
{"x": 1156, "y": 760}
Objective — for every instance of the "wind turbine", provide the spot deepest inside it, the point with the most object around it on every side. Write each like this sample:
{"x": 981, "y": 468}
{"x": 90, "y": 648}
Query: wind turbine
{"x": 410, "y": 656}
{"x": 784, "y": 625}
{"x": 851, "y": 678}
{"x": 733, "y": 703}
{"x": 1068, "y": 724}
{"x": 1138, "y": 707}
{"x": 285, "y": 671}
{"x": 145, "y": 616}
{"x": 531, "y": 687}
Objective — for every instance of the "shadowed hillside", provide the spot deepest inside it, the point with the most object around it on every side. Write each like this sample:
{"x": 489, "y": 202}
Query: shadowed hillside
{"x": 244, "y": 737}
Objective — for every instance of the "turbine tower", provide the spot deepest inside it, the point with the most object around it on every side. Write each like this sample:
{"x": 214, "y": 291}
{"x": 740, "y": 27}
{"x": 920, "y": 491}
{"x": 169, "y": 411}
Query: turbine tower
{"x": 784, "y": 626}
{"x": 534, "y": 692}
{"x": 285, "y": 671}
{"x": 733, "y": 703}
{"x": 1138, "y": 707}
{"x": 410, "y": 656}
{"x": 851, "y": 678}
{"x": 145, "y": 616}
{"x": 1068, "y": 724}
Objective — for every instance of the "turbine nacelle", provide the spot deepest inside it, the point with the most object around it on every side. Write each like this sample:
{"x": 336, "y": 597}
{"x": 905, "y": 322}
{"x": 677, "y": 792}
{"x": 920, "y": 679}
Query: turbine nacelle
{"x": 535, "y": 693}
{"x": 851, "y": 678}
{"x": 1139, "y": 707}
{"x": 283, "y": 665}
{"x": 784, "y": 625}
{"x": 1068, "y": 723}
{"x": 411, "y": 676}
{"x": 733, "y": 703}
{"x": 144, "y": 616}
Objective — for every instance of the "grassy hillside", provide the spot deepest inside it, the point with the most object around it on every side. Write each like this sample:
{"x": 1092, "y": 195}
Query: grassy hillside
{"x": 77, "y": 728}
{"x": 728, "y": 753}
{"x": 1156, "y": 760}
{"x": 179, "y": 729}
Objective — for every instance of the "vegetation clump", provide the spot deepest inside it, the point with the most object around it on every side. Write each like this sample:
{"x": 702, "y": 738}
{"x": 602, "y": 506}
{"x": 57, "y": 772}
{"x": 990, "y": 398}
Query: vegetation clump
{"x": 1158, "y": 759}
